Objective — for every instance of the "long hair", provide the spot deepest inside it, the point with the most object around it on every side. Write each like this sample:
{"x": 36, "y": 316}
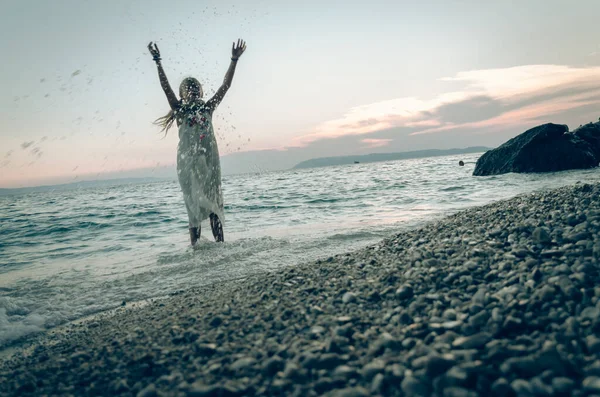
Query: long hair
{"x": 166, "y": 121}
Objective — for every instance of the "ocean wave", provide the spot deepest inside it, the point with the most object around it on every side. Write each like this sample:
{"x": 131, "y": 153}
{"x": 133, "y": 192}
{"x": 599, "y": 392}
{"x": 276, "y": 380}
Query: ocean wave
{"x": 92, "y": 249}
{"x": 258, "y": 207}
{"x": 146, "y": 213}
{"x": 452, "y": 188}
{"x": 328, "y": 200}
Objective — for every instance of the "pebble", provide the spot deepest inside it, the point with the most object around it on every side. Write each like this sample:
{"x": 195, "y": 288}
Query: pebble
{"x": 479, "y": 319}
{"x": 198, "y": 389}
{"x": 344, "y": 371}
{"x": 294, "y": 372}
{"x": 501, "y": 387}
{"x": 350, "y": 392}
{"x": 329, "y": 361}
{"x": 349, "y": 297}
{"x": 512, "y": 324}
{"x": 593, "y": 344}
{"x": 547, "y": 293}
{"x": 459, "y": 392}
{"x": 541, "y": 235}
{"x": 385, "y": 341}
{"x": 148, "y": 391}
{"x": 412, "y": 387}
{"x": 541, "y": 389}
{"x": 436, "y": 365}
{"x": 522, "y": 388}
{"x": 472, "y": 342}
{"x": 405, "y": 292}
{"x": 591, "y": 384}
{"x": 216, "y": 321}
{"x": 242, "y": 363}
{"x": 377, "y": 384}
{"x": 563, "y": 385}
{"x": 372, "y": 368}
{"x": 273, "y": 365}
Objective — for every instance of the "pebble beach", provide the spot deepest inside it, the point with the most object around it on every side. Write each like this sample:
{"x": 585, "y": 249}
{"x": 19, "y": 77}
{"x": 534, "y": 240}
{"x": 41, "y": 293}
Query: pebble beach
{"x": 498, "y": 300}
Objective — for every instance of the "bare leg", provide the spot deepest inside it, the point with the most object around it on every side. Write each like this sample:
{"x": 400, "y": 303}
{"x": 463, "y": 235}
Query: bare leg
{"x": 194, "y": 234}
{"x": 217, "y": 228}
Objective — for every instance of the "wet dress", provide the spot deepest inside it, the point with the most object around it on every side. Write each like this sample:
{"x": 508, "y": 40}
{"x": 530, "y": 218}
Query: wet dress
{"x": 198, "y": 165}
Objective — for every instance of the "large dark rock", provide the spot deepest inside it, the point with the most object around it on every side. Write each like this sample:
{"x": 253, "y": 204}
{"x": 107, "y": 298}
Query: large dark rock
{"x": 591, "y": 134}
{"x": 546, "y": 148}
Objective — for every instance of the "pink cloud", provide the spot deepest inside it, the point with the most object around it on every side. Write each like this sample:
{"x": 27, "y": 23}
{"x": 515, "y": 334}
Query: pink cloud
{"x": 373, "y": 143}
{"x": 525, "y": 116}
{"x": 543, "y": 90}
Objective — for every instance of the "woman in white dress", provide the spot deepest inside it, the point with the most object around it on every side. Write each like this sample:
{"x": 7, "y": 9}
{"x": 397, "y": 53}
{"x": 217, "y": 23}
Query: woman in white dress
{"x": 198, "y": 166}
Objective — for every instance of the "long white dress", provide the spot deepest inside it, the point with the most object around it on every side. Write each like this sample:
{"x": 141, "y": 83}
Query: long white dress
{"x": 198, "y": 165}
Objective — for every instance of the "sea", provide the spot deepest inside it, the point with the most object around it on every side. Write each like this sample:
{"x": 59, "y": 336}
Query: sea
{"x": 65, "y": 255}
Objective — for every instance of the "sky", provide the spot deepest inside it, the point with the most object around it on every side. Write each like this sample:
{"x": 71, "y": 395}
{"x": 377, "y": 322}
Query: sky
{"x": 79, "y": 90}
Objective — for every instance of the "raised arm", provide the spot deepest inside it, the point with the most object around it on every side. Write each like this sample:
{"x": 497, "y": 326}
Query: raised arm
{"x": 164, "y": 82}
{"x": 236, "y": 53}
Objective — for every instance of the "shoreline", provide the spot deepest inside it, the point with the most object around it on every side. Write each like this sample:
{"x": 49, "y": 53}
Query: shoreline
{"x": 458, "y": 306}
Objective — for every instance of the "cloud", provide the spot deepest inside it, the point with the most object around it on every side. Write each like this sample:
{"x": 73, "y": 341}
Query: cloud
{"x": 374, "y": 142}
{"x": 489, "y": 99}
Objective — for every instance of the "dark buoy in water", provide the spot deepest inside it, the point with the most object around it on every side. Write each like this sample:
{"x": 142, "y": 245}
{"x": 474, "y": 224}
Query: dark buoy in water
{"x": 461, "y": 163}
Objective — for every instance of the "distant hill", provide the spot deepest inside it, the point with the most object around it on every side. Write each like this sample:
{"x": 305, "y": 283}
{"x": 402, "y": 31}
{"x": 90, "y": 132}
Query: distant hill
{"x": 375, "y": 157}
{"x": 78, "y": 185}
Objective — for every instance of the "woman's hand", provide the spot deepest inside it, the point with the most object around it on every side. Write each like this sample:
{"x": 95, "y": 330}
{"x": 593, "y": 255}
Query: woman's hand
{"x": 154, "y": 52}
{"x": 238, "y": 50}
